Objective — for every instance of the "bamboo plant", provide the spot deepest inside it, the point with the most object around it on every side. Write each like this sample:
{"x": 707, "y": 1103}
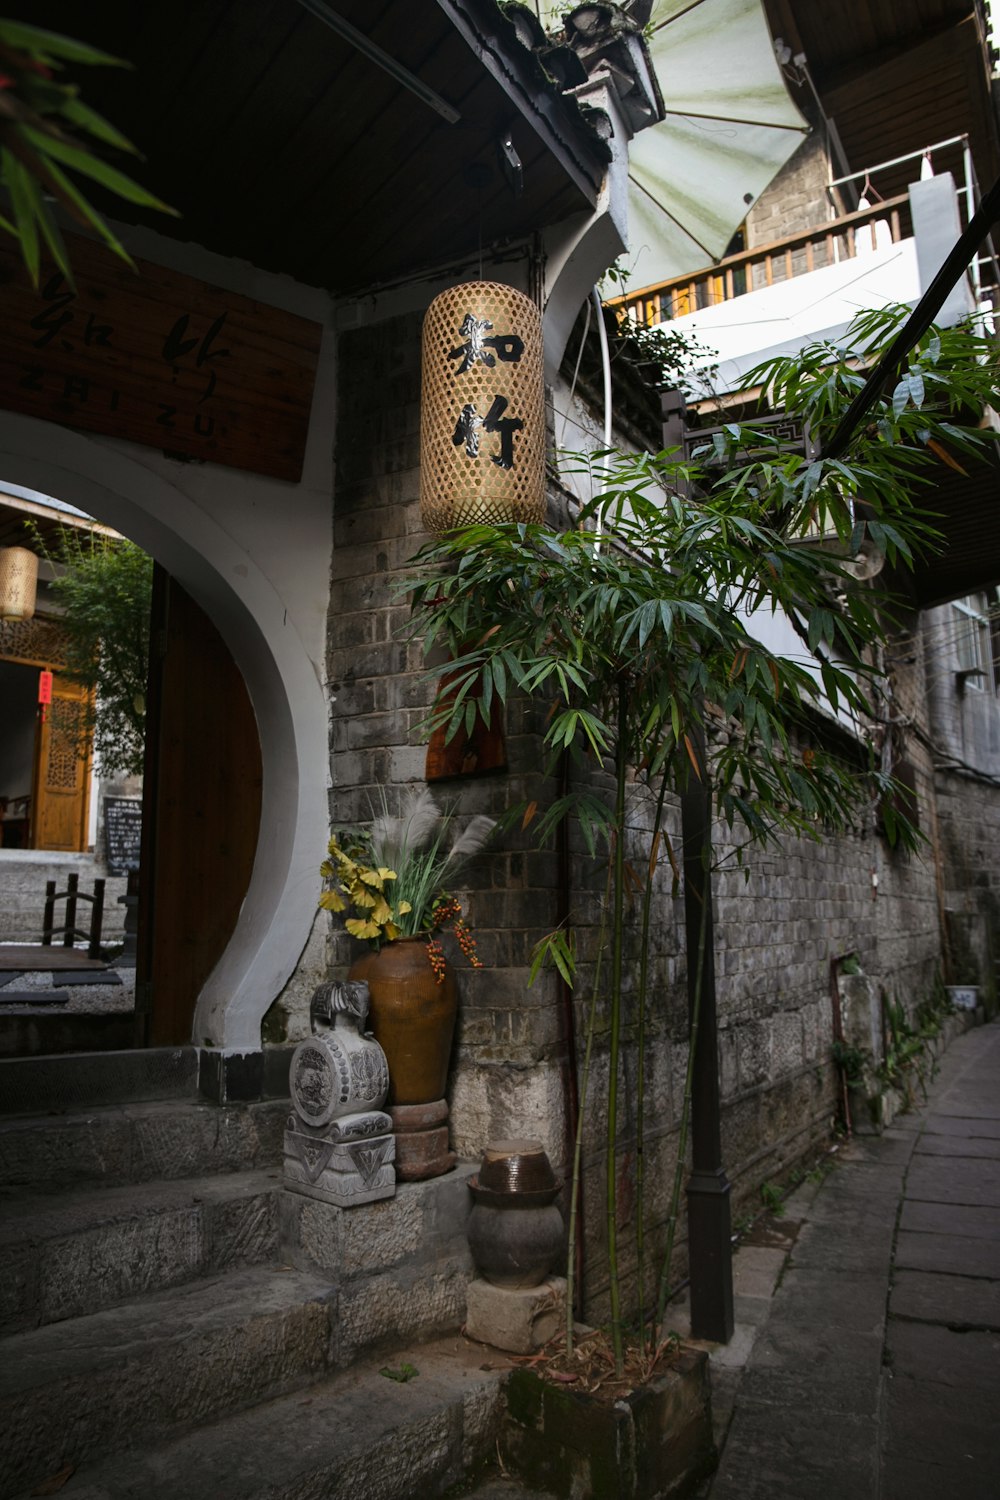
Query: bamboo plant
{"x": 641, "y": 629}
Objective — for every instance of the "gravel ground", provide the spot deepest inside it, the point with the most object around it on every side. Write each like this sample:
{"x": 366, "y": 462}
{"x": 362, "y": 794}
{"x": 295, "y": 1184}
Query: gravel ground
{"x": 84, "y": 999}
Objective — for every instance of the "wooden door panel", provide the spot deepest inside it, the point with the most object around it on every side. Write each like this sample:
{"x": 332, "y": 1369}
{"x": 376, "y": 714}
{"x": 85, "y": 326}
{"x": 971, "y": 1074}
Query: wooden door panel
{"x": 201, "y": 809}
{"x": 62, "y": 774}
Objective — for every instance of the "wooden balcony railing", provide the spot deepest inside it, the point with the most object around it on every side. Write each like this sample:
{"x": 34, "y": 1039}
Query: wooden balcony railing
{"x": 798, "y": 254}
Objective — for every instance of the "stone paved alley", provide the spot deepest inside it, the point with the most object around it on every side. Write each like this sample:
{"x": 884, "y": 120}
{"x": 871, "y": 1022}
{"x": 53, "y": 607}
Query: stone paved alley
{"x": 866, "y": 1357}
{"x": 876, "y": 1372}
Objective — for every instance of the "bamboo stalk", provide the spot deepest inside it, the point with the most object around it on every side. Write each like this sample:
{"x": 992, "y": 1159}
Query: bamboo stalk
{"x": 574, "y": 1192}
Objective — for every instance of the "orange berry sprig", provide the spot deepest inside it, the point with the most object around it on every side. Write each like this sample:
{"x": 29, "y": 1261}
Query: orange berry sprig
{"x": 447, "y": 913}
{"x": 436, "y": 958}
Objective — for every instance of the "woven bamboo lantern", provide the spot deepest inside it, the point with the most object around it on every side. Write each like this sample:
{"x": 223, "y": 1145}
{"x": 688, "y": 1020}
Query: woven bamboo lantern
{"x": 18, "y": 583}
{"x": 482, "y": 421}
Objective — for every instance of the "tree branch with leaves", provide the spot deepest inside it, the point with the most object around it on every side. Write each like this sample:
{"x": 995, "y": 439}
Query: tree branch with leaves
{"x": 46, "y": 142}
{"x": 641, "y": 631}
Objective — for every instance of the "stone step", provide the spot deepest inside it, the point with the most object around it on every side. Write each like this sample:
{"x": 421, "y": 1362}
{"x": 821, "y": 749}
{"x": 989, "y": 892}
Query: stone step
{"x": 141, "y": 1373}
{"x": 354, "y": 1436}
{"x": 70, "y": 1255}
{"x": 401, "y": 1265}
{"x": 114, "y": 1144}
{"x": 91, "y": 1079}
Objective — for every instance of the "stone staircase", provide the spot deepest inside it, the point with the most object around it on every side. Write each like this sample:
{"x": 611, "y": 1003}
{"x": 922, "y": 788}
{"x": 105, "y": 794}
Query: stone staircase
{"x": 173, "y": 1322}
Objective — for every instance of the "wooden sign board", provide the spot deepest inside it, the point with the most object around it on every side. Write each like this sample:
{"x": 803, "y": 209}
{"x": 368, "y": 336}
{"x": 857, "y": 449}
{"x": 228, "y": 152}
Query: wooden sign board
{"x": 157, "y": 358}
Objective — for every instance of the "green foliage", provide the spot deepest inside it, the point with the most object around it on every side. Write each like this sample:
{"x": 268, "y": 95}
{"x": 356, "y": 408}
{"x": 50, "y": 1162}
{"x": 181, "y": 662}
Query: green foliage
{"x": 851, "y": 1061}
{"x": 556, "y": 950}
{"x": 401, "y": 1374}
{"x": 104, "y": 589}
{"x": 44, "y": 125}
{"x": 641, "y": 629}
{"x": 772, "y": 1198}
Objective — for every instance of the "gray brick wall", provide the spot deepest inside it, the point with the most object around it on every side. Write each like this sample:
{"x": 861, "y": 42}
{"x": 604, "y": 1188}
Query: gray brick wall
{"x": 807, "y": 904}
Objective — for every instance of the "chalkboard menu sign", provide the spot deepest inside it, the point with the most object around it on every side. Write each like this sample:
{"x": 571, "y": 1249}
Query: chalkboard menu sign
{"x": 122, "y": 833}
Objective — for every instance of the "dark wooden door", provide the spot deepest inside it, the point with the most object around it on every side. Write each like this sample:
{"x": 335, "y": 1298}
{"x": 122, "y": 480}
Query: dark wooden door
{"x": 61, "y": 790}
{"x": 201, "y": 812}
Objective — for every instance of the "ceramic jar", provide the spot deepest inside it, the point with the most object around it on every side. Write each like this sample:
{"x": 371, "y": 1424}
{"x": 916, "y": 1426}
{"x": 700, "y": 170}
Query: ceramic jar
{"x": 515, "y": 1229}
{"x": 412, "y": 1018}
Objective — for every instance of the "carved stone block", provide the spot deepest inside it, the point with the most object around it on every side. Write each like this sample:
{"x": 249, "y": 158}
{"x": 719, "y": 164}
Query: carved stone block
{"x": 345, "y": 1172}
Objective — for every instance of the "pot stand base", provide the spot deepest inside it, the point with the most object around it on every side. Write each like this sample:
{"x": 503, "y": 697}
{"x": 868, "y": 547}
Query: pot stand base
{"x": 518, "y": 1319}
{"x": 422, "y": 1148}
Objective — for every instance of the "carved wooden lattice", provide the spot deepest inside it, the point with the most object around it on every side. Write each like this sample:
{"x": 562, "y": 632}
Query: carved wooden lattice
{"x": 38, "y": 642}
{"x": 66, "y": 744}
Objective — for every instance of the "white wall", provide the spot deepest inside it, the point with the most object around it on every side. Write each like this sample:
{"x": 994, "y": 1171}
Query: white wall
{"x": 254, "y": 552}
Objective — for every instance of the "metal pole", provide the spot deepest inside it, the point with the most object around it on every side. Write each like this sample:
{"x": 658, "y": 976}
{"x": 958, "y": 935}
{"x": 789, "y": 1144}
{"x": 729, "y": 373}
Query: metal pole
{"x": 708, "y": 1190}
{"x": 710, "y": 1250}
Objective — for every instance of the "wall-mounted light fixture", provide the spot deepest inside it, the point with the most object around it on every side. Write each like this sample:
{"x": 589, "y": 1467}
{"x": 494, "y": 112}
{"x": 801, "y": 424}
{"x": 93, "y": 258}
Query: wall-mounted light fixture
{"x": 482, "y": 420}
{"x": 18, "y": 583}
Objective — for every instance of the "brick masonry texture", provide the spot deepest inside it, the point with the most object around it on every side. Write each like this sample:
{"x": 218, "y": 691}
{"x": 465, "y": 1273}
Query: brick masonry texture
{"x": 807, "y": 904}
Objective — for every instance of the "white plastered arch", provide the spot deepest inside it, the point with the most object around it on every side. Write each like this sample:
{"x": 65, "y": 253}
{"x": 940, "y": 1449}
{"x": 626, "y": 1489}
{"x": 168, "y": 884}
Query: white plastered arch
{"x": 281, "y": 679}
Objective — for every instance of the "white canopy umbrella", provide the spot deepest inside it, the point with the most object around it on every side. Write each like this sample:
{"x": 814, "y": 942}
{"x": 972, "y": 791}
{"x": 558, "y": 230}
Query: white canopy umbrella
{"x": 729, "y": 129}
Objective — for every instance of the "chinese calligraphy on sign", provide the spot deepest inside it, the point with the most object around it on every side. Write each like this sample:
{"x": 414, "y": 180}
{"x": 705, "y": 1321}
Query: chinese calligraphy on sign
{"x": 479, "y": 347}
{"x": 159, "y": 359}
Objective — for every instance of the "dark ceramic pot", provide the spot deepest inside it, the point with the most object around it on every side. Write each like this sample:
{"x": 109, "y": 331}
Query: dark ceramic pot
{"x": 515, "y": 1238}
{"x": 412, "y": 1017}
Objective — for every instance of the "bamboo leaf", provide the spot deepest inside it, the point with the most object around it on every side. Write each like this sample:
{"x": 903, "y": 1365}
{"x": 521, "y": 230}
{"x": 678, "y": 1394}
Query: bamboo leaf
{"x": 84, "y": 118}
{"x": 24, "y": 201}
{"x": 92, "y": 166}
{"x": 942, "y": 453}
{"x": 691, "y": 755}
{"x": 51, "y": 45}
{"x": 901, "y": 396}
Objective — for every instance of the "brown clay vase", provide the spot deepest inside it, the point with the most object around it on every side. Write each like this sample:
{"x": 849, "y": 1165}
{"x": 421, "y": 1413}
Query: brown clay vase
{"x": 412, "y": 1016}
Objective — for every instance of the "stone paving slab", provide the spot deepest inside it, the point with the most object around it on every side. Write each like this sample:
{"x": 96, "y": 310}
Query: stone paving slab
{"x": 959, "y": 1146}
{"x": 974, "y": 1183}
{"x": 773, "y": 1453}
{"x": 853, "y": 1210}
{"x": 967, "y": 1109}
{"x": 817, "y": 1249}
{"x": 756, "y": 1270}
{"x": 34, "y": 997}
{"x": 813, "y": 1302}
{"x": 948, "y": 1253}
{"x": 943, "y": 1356}
{"x": 915, "y": 1479}
{"x": 85, "y": 977}
{"x": 866, "y": 1176}
{"x": 945, "y": 1299}
{"x": 955, "y": 1125}
{"x": 840, "y": 1371}
{"x": 918, "y": 1412}
{"x": 966, "y": 1220}
{"x": 894, "y": 1146}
